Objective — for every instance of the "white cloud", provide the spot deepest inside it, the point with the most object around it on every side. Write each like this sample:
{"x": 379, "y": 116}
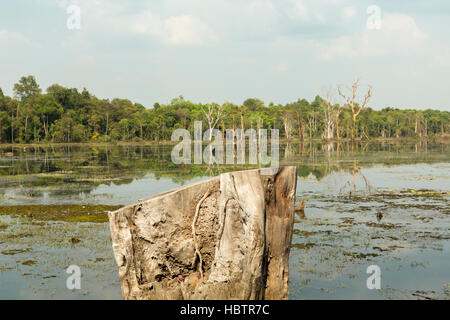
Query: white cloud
{"x": 316, "y": 10}
{"x": 399, "y": 35}
{"x": 348, "y": 12}
{"x": 282, "y": 67}
{"x": 262, "y": 6}
{"x": 441, "y": 59}
{"x": 113, "y": 18}
{"x": 187, "y": 29}
{"x": 298, "y": 10}
{"x": 13, "y": 41}
{"x": 11, "y": 37}
{"x": 177, "y": 30}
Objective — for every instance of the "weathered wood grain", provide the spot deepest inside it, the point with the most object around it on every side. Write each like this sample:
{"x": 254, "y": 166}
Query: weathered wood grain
{"x": 224, "y": 238}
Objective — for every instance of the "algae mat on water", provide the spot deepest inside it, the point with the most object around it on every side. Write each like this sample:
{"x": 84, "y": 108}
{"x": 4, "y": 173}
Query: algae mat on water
{"x": 68, "y": 213}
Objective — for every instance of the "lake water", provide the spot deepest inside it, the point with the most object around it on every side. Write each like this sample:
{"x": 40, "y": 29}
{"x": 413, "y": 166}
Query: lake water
{"x": 53, "y": 202}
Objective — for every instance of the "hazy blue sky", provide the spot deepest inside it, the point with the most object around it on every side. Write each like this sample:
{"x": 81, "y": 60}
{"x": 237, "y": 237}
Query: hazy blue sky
{"x": 230, "y": 50}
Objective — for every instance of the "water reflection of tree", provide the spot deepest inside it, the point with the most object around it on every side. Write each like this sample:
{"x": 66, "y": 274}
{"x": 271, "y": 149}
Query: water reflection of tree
{"x": 332, "y": 147}
{"x": 351, "y": 182}
{"x": 85, "y": 167}
{"x": 289, "y": 151}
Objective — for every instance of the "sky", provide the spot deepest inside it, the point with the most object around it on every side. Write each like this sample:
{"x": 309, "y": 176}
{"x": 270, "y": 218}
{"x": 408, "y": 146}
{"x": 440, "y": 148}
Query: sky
{"x": 230, "y": 50}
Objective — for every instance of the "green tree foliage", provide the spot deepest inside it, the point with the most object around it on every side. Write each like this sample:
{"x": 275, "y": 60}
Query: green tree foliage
{"x": 68, "y": 115}
{"x": 26, "y": 88}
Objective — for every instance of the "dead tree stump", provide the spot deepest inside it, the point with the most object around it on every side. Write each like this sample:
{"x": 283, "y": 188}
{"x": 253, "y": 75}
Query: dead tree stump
{"x": 224, "y": 238}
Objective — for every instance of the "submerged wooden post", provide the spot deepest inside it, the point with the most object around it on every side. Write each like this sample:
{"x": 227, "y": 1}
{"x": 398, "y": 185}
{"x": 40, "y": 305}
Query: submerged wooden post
{"x": 224, "y": 238}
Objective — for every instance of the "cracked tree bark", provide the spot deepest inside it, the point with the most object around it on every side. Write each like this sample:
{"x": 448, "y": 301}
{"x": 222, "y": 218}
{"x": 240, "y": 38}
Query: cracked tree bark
{"x": 237, "y": 226}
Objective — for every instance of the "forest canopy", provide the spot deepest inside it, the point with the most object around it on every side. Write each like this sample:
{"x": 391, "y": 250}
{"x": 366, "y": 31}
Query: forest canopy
{"x": 63, "y": 114}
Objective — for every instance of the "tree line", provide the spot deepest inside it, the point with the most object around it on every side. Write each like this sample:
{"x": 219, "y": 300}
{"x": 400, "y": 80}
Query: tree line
{"x": 67, "y": 115}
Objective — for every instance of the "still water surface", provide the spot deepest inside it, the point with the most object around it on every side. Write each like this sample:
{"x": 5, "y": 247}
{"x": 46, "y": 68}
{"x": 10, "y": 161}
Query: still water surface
{"x": 67, "y": 189}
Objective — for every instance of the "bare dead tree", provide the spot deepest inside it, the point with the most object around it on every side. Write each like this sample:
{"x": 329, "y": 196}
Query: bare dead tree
{"x": 213, "y": 114}
{"x": 301, "y": 127}
{"x": 329, "y": 112}
{"x": 288, "y": 125}
{"x": 356, "y": 108}
{"x": 337, "y": 113}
